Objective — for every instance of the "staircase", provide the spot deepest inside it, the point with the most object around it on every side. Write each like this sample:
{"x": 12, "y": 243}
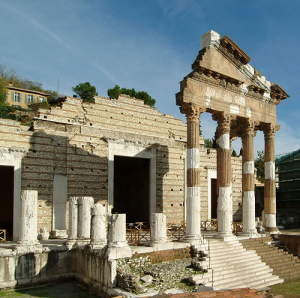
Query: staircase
{"x": 231, "y": 266}
{"x": 284, "y": 264}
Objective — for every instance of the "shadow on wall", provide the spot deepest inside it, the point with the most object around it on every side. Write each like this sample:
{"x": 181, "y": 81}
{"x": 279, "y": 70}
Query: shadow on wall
{"x": 237, "y": 214}
{"x": 82, "y": 169}
{"x": 58, "y": 265}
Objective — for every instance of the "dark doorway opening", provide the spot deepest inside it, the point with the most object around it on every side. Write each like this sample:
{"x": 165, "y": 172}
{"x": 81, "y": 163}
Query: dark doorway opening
{"x": 7, "y": 200}
{"x": 131, "y": 188}
{"x": 214, "y": 198}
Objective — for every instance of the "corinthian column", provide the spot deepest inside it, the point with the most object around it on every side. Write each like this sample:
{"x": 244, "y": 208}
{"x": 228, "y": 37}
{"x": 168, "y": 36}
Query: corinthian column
{"x": 270, "y": 183}
{"x": 193, "y": 224}
{"x": 224, "y": 188}
{"x": 248, "y": 188}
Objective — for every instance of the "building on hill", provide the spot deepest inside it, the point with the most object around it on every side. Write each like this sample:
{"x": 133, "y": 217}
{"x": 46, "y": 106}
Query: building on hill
{"x": 22, "y": 98}
{"x": 288, "y": 170}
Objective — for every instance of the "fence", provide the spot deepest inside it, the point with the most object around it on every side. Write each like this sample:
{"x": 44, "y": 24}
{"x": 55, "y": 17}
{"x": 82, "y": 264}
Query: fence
{"x": 139, "y": 233}
{"x": 2, "y": 235}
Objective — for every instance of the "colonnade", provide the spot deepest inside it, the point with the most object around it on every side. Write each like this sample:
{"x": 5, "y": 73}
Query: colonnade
{"x": 246, "y": 130}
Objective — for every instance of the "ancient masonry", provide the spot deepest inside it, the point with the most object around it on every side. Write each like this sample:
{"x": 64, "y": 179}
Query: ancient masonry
{"x": 242, "y": 101}
{"x": 70, "y": 152}
{"x": 88, "y": 169}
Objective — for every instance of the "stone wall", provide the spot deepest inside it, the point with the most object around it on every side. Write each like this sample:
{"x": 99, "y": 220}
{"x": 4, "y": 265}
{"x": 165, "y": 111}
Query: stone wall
{"x": 74, "y": 139}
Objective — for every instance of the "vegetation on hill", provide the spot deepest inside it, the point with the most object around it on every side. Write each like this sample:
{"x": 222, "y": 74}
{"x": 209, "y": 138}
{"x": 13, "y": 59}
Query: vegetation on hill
{"x": 85, "y": 91}
{"x": 116, "y": 91}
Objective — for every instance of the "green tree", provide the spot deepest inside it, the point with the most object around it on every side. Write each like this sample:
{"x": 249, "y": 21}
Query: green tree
{"x": 260, "y": 166}
{"x": 233, "y": 153}
{"x": 85, "y": 91}
{"x": 214, "y": 140}
{"x": 241, "y": 152}
{"x": 3, "y": 89}
{"x": 208, "y": 143}
{"x": 116, "y": 91}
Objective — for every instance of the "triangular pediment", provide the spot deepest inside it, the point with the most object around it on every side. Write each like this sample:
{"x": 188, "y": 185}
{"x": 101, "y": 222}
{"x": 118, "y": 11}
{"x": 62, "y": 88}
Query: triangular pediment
{"x": 223, "y": 56}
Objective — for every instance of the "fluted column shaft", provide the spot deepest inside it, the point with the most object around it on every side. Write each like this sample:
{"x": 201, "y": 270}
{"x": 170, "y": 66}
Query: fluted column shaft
{"x": 98, "y": 228}
{"x": 84, "y": 217}
{"x": 224, "y": 188}
{"x": 270, "y": 182}
{"x": 28, "y": 217}
{"x": 248, "y": 187}
{"x": 193, "y": 224}
{"x": 73, "y": 218}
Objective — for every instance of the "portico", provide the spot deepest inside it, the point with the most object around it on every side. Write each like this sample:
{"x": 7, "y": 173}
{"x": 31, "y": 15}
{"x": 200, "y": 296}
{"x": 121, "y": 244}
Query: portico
{"x": 242, "y": 101}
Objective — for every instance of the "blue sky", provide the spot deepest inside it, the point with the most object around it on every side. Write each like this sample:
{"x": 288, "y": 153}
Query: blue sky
{"x": 150, "y": 46}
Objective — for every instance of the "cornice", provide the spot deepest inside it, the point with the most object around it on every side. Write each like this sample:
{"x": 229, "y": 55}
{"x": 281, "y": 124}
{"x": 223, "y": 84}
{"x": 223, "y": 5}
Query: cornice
{"x": 278, "y": 93}
{"x": 217, "y": 75}
{"x": 234, "y": 49}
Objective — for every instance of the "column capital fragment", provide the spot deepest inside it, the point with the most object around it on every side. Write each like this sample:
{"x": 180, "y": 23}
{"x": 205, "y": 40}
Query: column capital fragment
{"x": 269, "y": 129}
{"x": 192, "y": 111}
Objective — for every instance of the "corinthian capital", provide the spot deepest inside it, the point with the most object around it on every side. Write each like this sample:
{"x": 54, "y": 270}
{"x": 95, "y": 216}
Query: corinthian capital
{"x": 249, "y": 126}
{"x": 269, "y": 129}
{"x": 192, "y": 111}
{"x": 224, "y": 121}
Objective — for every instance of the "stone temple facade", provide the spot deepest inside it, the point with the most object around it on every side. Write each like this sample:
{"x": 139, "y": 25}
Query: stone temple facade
{"x": 134, "y": 160}
{"x": 84, "y": 170}
{"x": 122, "y": 153}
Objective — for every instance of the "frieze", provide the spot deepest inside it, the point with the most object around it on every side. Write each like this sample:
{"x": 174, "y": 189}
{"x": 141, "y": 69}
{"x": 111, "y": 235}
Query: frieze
{"x": 266, "y": 104}
{"x": 268, "y": 107}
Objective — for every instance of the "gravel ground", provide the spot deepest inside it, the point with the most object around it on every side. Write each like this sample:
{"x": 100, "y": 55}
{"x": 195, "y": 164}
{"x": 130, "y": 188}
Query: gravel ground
{"x": 65, "y": 290}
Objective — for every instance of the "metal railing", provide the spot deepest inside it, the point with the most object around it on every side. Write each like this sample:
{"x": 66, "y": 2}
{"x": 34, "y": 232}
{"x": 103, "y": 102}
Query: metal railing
{"x": 2, "y": 235}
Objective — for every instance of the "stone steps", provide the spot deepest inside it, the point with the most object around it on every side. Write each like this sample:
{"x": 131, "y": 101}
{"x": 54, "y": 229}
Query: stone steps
{"x": 232, "y": 266}
{"x": 285, "y": 265}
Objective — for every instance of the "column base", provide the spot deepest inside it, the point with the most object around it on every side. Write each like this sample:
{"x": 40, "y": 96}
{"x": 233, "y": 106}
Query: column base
{"x": 272, "y": 230}
{"x": 82, "y": 242}
{"x": 28, "y": 246}
{"x": 226, "y": 236}
{"x": 119, "y": 252}
{"x": 249, "y": 233}
{"x": 70, "y": 243}
{"x": 97, "y": 245}
{"x": 193, "y": 239}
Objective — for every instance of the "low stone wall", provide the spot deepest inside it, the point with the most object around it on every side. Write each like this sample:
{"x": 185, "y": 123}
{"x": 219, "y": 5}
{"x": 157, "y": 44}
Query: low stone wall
{"x": 19, "y": 269}
{"x": 291, "y": 241}
{"x": 90, "y": 267}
